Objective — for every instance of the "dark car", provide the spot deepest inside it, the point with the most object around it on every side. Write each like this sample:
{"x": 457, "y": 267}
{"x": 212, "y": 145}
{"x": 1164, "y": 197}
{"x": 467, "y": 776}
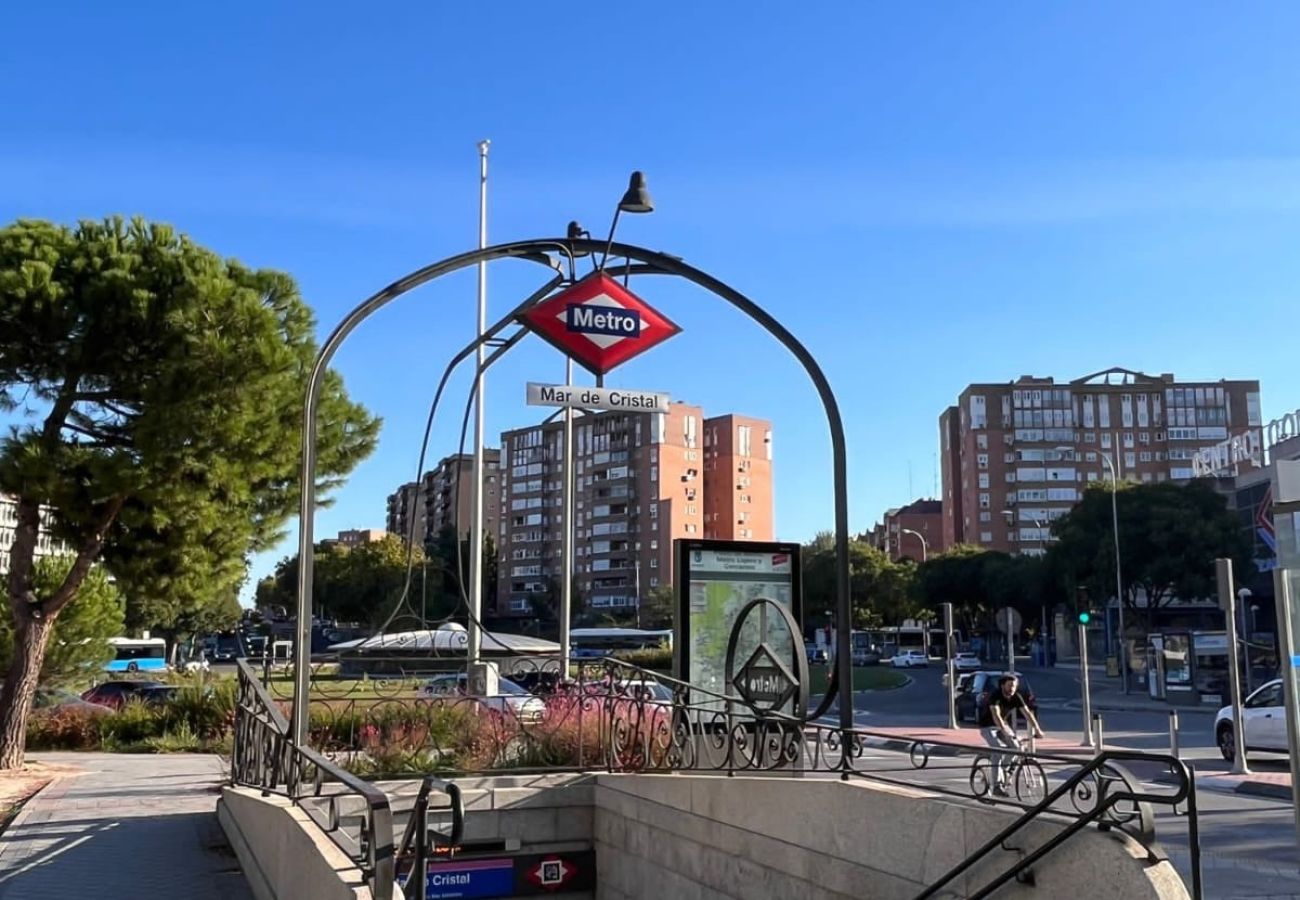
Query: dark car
{"x": 973, "y": 694}
{"x": 115, "y": 694}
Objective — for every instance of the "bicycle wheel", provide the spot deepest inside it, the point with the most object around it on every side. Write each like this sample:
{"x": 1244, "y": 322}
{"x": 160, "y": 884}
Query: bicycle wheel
{"x": 981, "y": 776}
{"x": 1031, "y": 782}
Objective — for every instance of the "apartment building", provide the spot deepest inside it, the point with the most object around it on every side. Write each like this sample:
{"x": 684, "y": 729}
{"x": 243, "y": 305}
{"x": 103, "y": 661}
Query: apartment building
{"x": 914, "y": 531}
{"x": 1017, "y": 456}
{"x": 355, "y": 537}
{"x": 642, "y": 480}
{"x": 738, "y": 479}
{"x": 445, "y": 496}
{"x": 46, "y": 543}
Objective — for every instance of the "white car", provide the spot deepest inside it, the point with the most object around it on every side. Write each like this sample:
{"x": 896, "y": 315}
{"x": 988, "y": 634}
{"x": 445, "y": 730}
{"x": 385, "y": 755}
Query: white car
{"x": 510, "y": 697}
{"x": 967, "y": 662}
{"x": 1265, "y": 719}
{"x": 906, "y": 659}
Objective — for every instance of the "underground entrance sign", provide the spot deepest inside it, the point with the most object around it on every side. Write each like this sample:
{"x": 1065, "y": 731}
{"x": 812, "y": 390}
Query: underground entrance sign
{"x": 599, "y": 323}
{"x": 509, "y": 876}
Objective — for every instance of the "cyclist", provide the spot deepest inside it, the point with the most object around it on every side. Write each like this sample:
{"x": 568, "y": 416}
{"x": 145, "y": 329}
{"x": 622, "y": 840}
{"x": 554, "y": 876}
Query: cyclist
{"x": 997, "y": 724}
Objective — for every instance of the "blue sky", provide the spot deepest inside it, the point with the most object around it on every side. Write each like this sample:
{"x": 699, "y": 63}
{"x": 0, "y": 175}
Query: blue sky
{"x": 926, "y": 194}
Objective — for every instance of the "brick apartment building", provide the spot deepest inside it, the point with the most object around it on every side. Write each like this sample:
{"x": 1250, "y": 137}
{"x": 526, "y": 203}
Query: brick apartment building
{"x": 643, "y": 479}
{"x": 46, "y": 543}
{"x": 897, "y": 532}
{"x": 355, "y": 537}
{"x": 1017, "y": 456}
{"x": 444, "y": 496}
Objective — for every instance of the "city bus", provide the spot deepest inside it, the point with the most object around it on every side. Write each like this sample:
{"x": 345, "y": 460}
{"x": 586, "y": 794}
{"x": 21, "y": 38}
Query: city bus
{"x": 137, "y": 655}
{"x": 598, "y": 642}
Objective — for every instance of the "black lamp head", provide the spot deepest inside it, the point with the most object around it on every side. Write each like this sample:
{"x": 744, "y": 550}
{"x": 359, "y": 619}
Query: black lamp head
{"x": 576, "y": 232}
{"x": 637, "y": 198}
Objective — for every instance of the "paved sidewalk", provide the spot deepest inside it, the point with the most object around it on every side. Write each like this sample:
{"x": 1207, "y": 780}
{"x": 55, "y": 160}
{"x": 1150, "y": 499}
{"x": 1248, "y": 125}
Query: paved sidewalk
{"x": 130, "y": 826}
{"x": 972, "y": 738}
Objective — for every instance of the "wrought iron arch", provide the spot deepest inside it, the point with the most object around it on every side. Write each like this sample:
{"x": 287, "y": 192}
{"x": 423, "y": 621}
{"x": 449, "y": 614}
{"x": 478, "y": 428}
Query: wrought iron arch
{"x": 537, "y": 251}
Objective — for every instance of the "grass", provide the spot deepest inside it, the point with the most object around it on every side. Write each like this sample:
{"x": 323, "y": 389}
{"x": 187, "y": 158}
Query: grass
{"x": 865, "y": 678}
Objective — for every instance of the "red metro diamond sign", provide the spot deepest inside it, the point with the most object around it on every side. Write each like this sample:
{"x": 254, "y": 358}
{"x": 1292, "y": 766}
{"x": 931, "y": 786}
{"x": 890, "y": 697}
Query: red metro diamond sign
{"x": 599, "y": 323}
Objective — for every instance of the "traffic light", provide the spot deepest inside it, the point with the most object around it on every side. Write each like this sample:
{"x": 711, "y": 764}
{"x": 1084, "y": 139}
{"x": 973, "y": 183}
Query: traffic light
{"x": 1085, "y": 617}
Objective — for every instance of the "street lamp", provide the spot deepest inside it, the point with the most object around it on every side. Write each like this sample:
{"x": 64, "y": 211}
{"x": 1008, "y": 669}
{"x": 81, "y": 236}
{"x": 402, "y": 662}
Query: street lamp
{"x": 925, "y": 547}
{"x": 1242, "y": 596}
{"x": 1119, "y": 582}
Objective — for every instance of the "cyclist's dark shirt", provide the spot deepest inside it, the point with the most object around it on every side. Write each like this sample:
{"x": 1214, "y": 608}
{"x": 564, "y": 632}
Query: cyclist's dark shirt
{"x": 1006, "y": 705}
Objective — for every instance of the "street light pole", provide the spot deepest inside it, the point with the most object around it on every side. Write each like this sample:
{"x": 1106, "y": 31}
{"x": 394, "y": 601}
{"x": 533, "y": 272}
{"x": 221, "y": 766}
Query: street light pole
{"x": 474, "y": 634}
{"x": 1119, "y": 581}
{"x": 925, "y": 547}
{"x": 567, "y": 533}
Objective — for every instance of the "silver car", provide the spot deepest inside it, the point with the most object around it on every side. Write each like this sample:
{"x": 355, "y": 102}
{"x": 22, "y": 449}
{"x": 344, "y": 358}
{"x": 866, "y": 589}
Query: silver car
{"x": 510, "y": 698}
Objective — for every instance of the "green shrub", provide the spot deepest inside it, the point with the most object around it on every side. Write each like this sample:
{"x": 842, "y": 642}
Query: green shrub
{"x": 132, "y": 725}
{"x": 660, "y": 658}
{"x": 206, "y": 710}
{"x": 180, "y": 738}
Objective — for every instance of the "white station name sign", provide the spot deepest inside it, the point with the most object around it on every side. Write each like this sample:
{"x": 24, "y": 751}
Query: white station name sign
{"x": 616, "y": 399}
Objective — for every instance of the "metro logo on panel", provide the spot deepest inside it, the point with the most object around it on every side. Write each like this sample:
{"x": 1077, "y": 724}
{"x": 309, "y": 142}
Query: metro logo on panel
{"x": 599, "y": 323}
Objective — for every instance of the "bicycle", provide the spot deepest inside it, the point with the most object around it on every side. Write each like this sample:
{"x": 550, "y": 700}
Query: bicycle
{"x": 1025, "y": 774}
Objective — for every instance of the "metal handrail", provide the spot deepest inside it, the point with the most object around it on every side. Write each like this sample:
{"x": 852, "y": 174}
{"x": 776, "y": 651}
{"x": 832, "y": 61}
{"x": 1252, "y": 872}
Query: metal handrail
{"x": 417, "y": 829}
{"x": 264, "y": 757}
{"x": 1186, "y": 791}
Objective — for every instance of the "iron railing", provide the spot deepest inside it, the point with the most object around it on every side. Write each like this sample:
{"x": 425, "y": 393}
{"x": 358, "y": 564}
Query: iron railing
{"x": 417, "y": 837}
{"x": 264, "y": 757}
{"x": 609, "y": 715}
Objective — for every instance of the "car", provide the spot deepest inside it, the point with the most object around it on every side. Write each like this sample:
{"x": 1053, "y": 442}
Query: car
{"x": 54, "y": 700}
{"x": 157, "y": 695}
{"x": 115, "y": 694}
{"x": 906, "y": 659}
{"x": 866, "y": 658}
{"x": 967, "y": 662}
{"x": 816, "y": 655}
{"x": 1265, "y": 723}
{"x": 510, "y": 698}
{"x": 973, "y": 692}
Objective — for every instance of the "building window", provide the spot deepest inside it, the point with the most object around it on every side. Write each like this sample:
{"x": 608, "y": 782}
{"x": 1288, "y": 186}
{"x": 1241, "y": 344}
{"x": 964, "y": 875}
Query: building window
{"x": 986, "y": 516}
{"x": 984, "y": 501}
{"x": 982, "y": 460}
{"x": 986, "y": 537}
{"x": 1105, "y": 440}
{"x": 654, "y": 562}
{"x": 1090, "y": 437}
{"x": 1130, "y": 460}
{"x": 1144, "y": 437}
{"x": 654, "y": 581}
{"x": 984, "y": 479}
{"x": 1145, "y": 456}
{"x": 743, "y": 434}
{"x": 654, "y": 510}
{"x": 982, "y": 441}
{"x": 654, "y": 473}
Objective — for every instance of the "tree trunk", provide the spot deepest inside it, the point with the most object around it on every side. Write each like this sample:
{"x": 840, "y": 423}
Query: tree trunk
{"x": 24, "y": 675}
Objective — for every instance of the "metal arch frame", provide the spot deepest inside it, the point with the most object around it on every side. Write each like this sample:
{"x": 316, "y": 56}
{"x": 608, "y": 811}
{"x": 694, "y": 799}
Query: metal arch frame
{"x": 536, "y": 251}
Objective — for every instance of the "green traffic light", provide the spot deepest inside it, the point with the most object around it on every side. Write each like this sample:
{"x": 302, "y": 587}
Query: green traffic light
{"x": 1084, "y": 618}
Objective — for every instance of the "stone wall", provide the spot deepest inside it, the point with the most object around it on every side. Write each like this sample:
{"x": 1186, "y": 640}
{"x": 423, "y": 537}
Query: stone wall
{"x": 706, "y": 837}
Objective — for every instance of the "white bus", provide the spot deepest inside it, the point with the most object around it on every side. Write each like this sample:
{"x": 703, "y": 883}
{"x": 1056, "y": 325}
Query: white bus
{"x": 137, "y": 655}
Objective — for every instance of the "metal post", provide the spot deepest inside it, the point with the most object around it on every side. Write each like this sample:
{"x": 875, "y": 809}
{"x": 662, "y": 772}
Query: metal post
{"x": 952, "y": 675}
{"x": 1011, "y": 641}
{"x": 1243, "y": 606}
{"x": 476, "y": 503}
{"x": 566, "y": 534}
{"x": 637, "y": 569}
{"x": 1228, "y": 600}
{"x": 1173, "y": 733}
{"x": 1287, "y": 654}
{"x": 1097, "y": 728}
{"x": 1087, "y": 690}
{"x": 1119, "y": 581}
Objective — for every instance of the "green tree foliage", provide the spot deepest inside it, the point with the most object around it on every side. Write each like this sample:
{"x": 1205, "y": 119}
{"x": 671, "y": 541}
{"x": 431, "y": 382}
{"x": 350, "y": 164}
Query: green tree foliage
{"x": 1169, "y": 537}
{"x": 361, "y": 584}
{"x": 979, "y": 582}
{"x": 157, "y": 390}
{"x": 658, "y": 609}
{"x": 79, "y": 640}
{"x": 881, "y": 589}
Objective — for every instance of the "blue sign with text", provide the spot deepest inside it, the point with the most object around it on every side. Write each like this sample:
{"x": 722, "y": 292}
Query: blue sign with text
{"x": 471, "y": 878}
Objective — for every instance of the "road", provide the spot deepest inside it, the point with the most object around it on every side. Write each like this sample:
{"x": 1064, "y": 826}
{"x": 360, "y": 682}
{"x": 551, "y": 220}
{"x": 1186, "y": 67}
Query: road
{"x": 1248, "y": 843}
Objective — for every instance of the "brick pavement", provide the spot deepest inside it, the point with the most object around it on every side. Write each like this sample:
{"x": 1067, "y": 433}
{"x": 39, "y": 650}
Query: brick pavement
{"x": 135, "y": 827}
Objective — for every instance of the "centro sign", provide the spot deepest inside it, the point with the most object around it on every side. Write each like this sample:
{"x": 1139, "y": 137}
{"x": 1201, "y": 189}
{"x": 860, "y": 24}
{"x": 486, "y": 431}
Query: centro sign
{"x": 1249, "y": 446}
{"x": 598, "y": 323}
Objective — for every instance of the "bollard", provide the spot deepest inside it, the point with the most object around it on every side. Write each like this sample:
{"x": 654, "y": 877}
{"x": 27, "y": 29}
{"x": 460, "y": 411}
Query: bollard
{"x": 1173, "y": 733}
{"x": 1097, "y": 731}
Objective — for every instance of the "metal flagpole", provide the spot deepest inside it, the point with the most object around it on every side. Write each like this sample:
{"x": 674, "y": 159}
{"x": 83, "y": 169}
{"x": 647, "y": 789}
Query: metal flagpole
{"x": 566, "y": 539}
{"x": 476, "y": 504}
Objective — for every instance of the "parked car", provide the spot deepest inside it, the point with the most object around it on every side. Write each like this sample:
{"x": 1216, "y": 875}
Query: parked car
{"x": 973, "y": 692}
{"x": 1265, "y": 723}
{"x": 866, "y": 658}
{"x": 816, "y": 655}
{"x": 115, "y": 694}
{"x": 967, "y": 662}
{"x": 907, "y": 659}
{"x": 510, "y": 698}
{"x": 54, "y": 699}
{"x": 157, "y": 695}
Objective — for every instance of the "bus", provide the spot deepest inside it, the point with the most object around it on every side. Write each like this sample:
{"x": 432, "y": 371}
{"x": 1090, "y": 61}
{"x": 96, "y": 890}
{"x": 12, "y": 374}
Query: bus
{"x": 893, "y": 639}
{"x": 137, "y": 655}
{"x": 597, "y": 642}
